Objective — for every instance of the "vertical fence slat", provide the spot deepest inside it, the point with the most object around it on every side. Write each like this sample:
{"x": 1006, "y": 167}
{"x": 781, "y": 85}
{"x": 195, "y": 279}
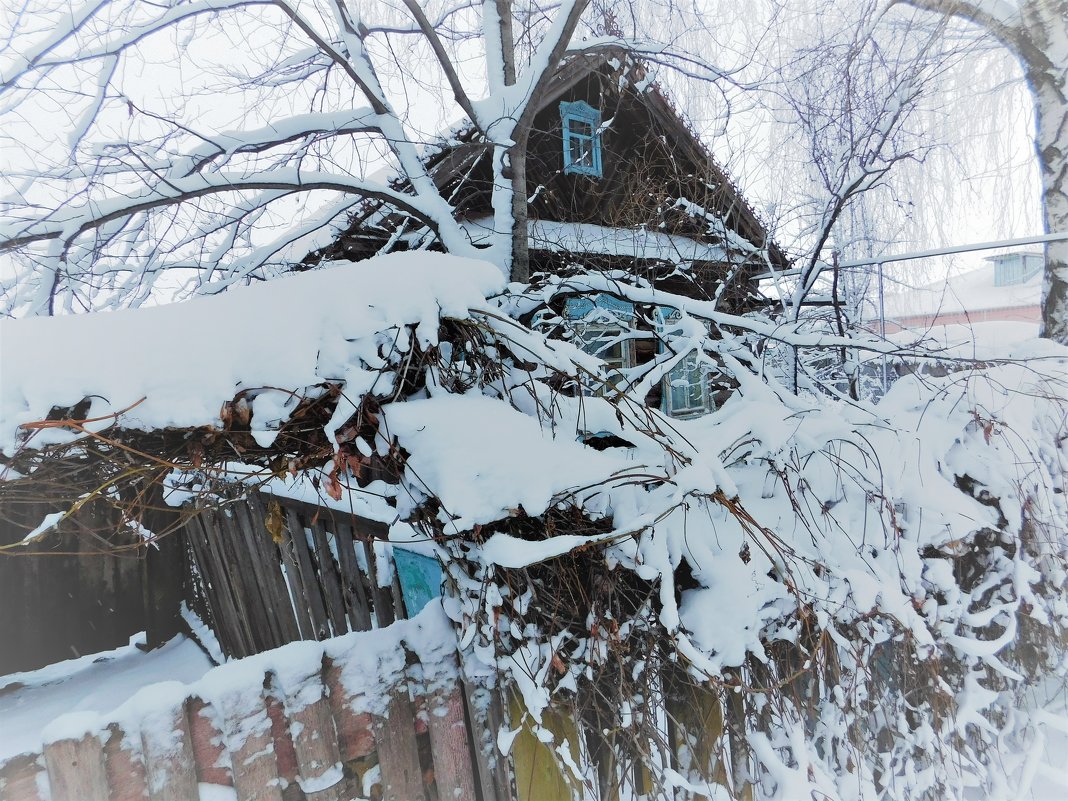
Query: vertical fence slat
{"x": 257, "y": 580}
{"x": 328, "y": 578}
{"x": 21, "y": 779}
{"x": 76, "y": 769}
{"x": 385, "y": 613}
{"x": 224, "y": 608}
{"x": 449, "y": 744}
{"x": 247, "y": 732}
{"x": 235, "y": 563}
{"x": 312, "y": 594}
{"x": 295, "y": 579}
{"x": 269, "y": 555}
{"x": 316, "y": 744}
{"x": 209, "y": 754}
{"x": 352, "y": 585}
{"x": 125, "y": 766}
{"x": 355, "y": 738}
{"x": 168, "y": 751}
{"x": 398, "y": 754}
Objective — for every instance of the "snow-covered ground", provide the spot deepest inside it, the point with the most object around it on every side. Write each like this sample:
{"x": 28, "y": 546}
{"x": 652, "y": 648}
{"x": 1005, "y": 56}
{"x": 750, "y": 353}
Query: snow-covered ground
{"x": 99, "y": 683}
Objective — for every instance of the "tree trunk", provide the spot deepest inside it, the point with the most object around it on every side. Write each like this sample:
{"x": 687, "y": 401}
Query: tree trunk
{"x": 1046, "y": 67}
{"x": 520, "y": 269}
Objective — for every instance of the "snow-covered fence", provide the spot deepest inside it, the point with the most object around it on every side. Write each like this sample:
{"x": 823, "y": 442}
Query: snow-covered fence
{"x": 370, "y": 714}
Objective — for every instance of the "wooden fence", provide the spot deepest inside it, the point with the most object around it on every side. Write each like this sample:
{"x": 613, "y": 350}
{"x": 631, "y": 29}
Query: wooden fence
{"x": 268, "y": 572}
{"x": 317, "y": 740}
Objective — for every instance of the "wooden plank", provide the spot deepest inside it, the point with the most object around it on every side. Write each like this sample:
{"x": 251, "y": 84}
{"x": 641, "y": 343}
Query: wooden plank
{"x": 229, "y": 629}
{"x": 269, "y": 553}
{"x": 125, "y": 766}
{"x": 263, "y": 586}
{"x": 312, "y": 594}
{"x": 316, "y": 744}
{"x": 168, "y": 750}
{"x": 285, "y": 753}
{"x": 355, "y": 738}
{"x": 76, "y": 770}
{"x": 385, "y": 613}
{"x": 21, "y": 778}
{"x": 295, "y": 584}
{"x": 244, "y": 587}
{"x": 329, "y": 579}
{"x": 398, "y": 752}
{"x": 209, "y": 754}
{"x": 449, "y": 744}
{"x": 485, "y": 712}
{"x": 352, "y": 584}
{"x": 247, "y": 732}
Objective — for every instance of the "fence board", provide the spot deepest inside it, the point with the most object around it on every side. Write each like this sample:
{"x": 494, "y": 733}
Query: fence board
{"x": 256, "y": 570}
{"x": 219, "y": 594}
{"x": 295, "y": 581}
{"x": 21, "y": 779}
{"x": 253, "y": 754}
{"x": 398, "y": 754}
{"x": 125, "y": 766}
{"x": 328, "y": 579}
{"x": 355, "y": 738}
{"x": 318, "y": 758}
{"x": 450, "y": 745}
{"x": 269, "y": 553}
{"x": 312, "y": 593}
{"x": 352, "y": 582}
{"x": 168, "y": 751}
{"x": 76, "y": 770}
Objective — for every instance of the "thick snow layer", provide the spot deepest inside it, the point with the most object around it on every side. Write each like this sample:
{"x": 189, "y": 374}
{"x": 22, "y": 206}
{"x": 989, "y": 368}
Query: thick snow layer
{"x": 994, "y": 339}
{"x": 638, "y": 243}
{"x": 97, "y": 684}
{"x": 185, "y": 360}
{"x": 483, "y": 459}
{"x": 134, "y": 689}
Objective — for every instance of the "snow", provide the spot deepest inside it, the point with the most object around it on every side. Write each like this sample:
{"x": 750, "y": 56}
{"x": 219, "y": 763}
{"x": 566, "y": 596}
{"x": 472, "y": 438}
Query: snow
{"x": 139, "y": 691}
{"x": 642, "y": 243}
{"x": 973, "y": 291}
{"x": 86, "y": 688}
{"x": 176, "y": 365}
{"x": 483, "y": 459}
{"x": 992, "y": 339}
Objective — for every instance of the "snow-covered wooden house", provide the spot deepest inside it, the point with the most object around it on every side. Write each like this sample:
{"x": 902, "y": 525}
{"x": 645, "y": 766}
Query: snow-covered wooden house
{"x": 616, "y": 180}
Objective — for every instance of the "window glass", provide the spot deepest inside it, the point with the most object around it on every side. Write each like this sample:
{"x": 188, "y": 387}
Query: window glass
{"x": 686, "y": 386}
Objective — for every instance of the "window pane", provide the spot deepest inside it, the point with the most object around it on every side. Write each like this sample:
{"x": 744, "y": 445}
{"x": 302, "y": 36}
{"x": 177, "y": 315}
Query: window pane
{"x": 581, "y": 151}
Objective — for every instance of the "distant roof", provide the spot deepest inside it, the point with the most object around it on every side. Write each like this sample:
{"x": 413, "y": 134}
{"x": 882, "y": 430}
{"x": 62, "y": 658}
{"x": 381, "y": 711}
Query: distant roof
{"x": 968, "y": 292}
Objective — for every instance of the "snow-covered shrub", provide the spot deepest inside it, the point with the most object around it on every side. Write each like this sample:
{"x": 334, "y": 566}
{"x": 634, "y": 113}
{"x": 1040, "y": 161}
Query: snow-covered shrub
{"x": 803, "y": 593}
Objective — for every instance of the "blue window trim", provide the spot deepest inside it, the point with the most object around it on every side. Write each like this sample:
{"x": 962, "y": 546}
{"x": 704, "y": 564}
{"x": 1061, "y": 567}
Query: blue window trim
{"x": 583, "y": 112}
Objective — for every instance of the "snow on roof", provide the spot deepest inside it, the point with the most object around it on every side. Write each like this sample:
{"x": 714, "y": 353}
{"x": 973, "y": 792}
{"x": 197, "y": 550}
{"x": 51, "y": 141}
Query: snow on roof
{"x": 639, "y": 243}
{"x": 177, "y": 364}
{"x": 969, "y": 292}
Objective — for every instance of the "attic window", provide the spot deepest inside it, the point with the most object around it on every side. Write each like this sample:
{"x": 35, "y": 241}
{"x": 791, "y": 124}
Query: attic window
{"x": 582, "y": 138}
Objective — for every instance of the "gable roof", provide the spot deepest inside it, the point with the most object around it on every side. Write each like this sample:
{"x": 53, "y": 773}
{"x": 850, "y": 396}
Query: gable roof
{"x": 451, "y": 164}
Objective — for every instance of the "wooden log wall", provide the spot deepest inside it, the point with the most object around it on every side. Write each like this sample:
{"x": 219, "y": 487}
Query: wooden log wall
{"x": 267, "y": 572}
{"x": 315, "y": 742}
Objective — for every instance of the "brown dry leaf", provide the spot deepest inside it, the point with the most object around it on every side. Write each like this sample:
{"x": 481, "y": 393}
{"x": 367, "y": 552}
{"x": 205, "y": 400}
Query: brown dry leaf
{"x": 273, "y": 521}
{"x": 558, "y": 664}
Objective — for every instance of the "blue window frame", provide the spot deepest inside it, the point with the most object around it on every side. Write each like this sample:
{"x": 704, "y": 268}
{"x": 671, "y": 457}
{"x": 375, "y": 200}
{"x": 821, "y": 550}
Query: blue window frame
{"x": 582, "y": 138}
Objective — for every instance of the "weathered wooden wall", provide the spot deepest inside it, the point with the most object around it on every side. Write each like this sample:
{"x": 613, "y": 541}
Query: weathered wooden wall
{"x": 76, "y": 591}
